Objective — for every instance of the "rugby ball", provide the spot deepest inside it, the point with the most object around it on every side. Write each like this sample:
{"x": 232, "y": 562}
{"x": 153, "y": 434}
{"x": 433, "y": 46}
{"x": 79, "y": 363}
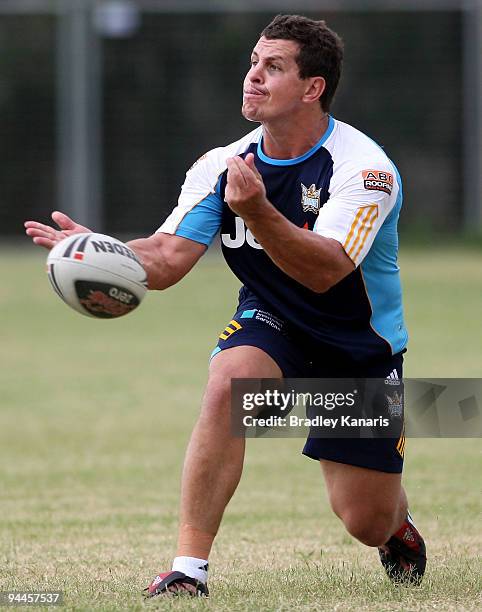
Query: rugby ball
{"x": 97, "y": 275}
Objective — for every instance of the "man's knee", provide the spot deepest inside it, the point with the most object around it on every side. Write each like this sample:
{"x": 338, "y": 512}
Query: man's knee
{"x": 368, "y": 502}
{"x": 372, "y": 527}
{"x": 238, "y": 362}
{"x": 244, "y": 362}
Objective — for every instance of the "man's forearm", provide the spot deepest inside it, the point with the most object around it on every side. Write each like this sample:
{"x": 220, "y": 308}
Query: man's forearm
{"x": 166, "y": 258}
{"x": 313, "y": 260}
{"x": 154, "y": 262}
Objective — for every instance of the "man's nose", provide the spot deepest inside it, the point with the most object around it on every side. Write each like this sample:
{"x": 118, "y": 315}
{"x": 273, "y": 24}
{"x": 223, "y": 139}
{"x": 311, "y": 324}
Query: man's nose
{"x": 255, "y": 74}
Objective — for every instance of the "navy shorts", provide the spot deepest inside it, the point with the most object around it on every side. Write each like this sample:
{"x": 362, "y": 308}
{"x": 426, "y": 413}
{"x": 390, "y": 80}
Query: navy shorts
{"x": 255, "y": 325}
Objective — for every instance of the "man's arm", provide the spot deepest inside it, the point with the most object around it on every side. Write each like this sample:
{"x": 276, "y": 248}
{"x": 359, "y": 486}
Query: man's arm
{"x": 166, "y": 258}
{"x": 316, "y": 262}
{"x": 313, "y": 260}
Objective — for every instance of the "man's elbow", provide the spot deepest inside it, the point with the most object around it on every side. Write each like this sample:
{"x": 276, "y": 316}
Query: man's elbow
{"x": 323, "y": 277}
{"x": 155, "y": 284}
{"x": 319, "y": 286}
{"x": 321, "y": 283}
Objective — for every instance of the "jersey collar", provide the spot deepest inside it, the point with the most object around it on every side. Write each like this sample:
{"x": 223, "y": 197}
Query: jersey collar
{"x": 296, "y": 160}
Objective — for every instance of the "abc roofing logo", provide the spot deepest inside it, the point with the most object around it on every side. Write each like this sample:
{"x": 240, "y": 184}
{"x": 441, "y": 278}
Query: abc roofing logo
{"x": 378, "y": 180}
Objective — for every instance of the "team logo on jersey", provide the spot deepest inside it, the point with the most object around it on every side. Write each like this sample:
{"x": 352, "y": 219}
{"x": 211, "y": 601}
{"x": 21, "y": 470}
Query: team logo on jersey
{"x": 378, "y": 181}
{"x": 310, "y": 198}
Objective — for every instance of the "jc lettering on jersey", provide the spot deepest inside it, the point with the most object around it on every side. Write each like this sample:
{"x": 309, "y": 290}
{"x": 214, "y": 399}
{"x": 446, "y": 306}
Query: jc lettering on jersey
{"x": 241, "y": 235}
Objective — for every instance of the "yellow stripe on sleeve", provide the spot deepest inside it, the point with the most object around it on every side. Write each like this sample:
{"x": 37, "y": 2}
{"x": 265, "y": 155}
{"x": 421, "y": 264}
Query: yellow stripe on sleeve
{"x": 359, "y": 230}
{"x": 370, "y": 222}
{"x": 352, "y": 228}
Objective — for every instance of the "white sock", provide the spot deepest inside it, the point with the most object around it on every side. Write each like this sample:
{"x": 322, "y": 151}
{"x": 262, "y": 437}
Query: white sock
{"x": 193, "y": 567}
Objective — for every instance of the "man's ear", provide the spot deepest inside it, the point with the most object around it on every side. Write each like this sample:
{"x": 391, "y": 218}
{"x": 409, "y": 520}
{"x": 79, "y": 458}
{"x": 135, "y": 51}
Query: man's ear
{"x": 314, "y": 89}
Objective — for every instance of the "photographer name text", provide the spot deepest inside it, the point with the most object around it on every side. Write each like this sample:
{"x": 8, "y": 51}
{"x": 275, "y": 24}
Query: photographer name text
{"x": 317, "y": 421}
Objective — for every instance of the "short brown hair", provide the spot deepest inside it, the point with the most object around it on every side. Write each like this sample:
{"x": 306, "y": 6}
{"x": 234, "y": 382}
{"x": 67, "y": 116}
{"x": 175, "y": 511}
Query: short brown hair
{"x": 321, "y": 49}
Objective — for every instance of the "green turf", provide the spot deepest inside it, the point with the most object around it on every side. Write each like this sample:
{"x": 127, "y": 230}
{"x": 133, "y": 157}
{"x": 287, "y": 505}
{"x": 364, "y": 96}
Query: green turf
{"x": 95, "y": 417}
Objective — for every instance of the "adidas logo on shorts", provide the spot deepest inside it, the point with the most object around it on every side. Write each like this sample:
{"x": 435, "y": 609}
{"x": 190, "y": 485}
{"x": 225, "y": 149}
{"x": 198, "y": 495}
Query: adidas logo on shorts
{"x": 392, "y": 378}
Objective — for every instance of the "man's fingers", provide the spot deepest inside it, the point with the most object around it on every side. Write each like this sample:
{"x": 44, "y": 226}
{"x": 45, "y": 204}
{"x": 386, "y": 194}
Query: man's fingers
{"x": 64, "y": 221}
{"x": 249, "y": 159}
{"x": 245, "y": 169}
{"x": 35, "y": 229}
{"x": 38, "y": 233}
{"x": 44, "y": 242}
{"x": 43, "y": 235}
{"x": 47, "y": 236}
{"x": 235, "y": 170}
{"x": 35, "y": 225}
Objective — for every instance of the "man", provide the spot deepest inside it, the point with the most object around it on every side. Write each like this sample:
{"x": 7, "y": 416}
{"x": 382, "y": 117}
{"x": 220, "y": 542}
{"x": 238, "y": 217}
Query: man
{"x": 307, "y": 208}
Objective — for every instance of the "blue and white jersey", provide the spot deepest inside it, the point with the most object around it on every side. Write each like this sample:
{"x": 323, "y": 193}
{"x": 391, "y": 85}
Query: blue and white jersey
{"x": 344, "y": 188}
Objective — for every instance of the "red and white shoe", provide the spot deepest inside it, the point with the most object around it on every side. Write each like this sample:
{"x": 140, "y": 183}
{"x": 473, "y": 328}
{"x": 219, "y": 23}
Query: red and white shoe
{"x": 404, "y": 555}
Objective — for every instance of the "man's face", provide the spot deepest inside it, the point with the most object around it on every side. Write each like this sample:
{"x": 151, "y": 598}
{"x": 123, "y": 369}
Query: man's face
{"x": 272, "y": 88}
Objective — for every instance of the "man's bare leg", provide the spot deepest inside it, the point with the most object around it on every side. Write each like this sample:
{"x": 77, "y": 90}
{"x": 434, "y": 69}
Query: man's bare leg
{"x": 212, "y": 469}
{"x": 373, "y": 508}
{"x": 371, "y": 504}
{"x": 214, "y": 458}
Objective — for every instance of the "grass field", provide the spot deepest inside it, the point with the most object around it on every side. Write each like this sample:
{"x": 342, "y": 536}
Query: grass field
{"x": 95, "y": 417}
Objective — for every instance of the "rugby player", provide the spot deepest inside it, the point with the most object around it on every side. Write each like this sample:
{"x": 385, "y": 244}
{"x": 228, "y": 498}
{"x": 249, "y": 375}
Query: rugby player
{"x": 307, "y": 208}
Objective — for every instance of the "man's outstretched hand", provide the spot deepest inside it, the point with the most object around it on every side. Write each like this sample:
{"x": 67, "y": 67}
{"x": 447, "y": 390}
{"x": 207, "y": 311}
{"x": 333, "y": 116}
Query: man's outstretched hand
{"x": 47, "y": 236}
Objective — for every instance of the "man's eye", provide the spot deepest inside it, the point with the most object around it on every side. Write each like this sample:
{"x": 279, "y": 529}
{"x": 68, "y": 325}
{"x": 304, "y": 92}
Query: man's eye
{"x": 274, "y": 67}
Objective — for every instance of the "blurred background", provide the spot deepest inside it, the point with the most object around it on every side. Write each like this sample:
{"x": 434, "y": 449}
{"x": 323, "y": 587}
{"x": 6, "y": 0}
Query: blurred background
{"x": 104, "y": 104}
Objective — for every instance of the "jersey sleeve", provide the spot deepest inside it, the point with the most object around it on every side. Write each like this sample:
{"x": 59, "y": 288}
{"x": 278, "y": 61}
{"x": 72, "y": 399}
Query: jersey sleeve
{"x": 198, "y": 213}
{"x": 360, "y": 200}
